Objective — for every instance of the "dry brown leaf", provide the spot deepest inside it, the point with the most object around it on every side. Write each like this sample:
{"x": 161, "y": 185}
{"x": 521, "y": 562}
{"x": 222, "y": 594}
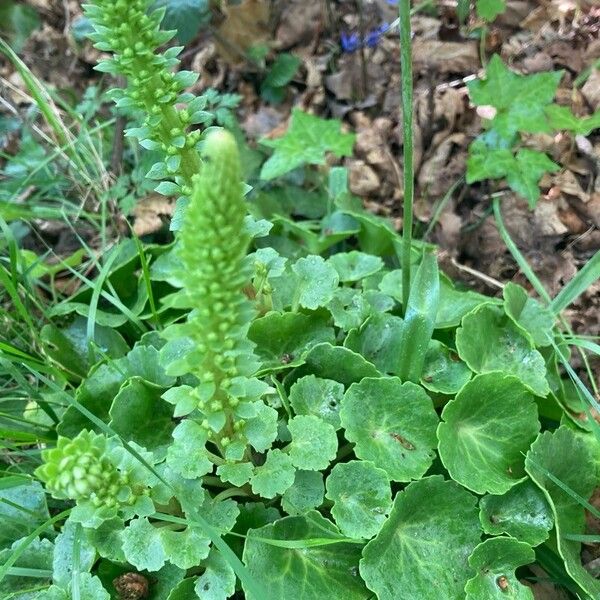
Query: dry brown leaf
{"x": 262, "y": 121}
{"x": 568, "y": 184}
{"x": 433, "y": 175}
{"x": 591, "y": 90}
{"x": 445, "y": 57}
{"x": 363, "y": 179}
{"x": 299, "y": 22}
{"x": 149, "y": 213}
{"x": 246, "y": 24}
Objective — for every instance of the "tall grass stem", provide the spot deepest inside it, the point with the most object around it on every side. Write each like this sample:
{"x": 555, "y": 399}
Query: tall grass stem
{"x": 407, "y": 114}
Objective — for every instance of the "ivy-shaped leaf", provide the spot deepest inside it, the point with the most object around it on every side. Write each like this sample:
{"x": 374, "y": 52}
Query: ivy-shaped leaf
{"x": 306, "y": 141}
{"x": 519, "y": 99}
{"x": 485, "y": 430}
{"x": 391, "y": 424}
{"x": 422, "y": 549}
{"x": 490, "y": 9}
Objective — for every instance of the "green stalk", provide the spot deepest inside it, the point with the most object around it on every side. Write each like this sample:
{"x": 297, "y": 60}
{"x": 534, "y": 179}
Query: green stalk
{"x": 407, "y": 114}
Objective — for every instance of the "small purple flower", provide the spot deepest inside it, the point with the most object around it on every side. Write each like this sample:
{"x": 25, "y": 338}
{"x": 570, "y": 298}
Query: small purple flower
{"x": 393, "y": 2}
{"x": 372, "y": 38}
{"x": 350, "y": 42}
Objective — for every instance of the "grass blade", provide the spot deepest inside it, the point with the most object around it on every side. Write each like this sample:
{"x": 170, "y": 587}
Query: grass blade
{"x": 582, "y": 280}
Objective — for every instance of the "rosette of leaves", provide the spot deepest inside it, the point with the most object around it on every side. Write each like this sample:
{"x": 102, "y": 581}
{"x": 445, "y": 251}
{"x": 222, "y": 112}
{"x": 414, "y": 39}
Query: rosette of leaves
{"x": 131, "y": 33}
{"x": 80, "y": 470}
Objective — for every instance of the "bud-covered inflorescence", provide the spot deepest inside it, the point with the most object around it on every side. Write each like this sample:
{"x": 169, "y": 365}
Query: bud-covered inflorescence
{"x": 213, "y": 248}
{"x": 79, "y": 469}
{"x": 125, "y": 29}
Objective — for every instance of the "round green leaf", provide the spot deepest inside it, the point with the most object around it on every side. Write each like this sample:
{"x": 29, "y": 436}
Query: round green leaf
{"x": 362, "y": 497}
{"x": 391, "y": 424}
{"x": 273, "y": 477}
{"x": 218, "y": 580}
{"x": 378, "y": 340}
{"x": 522, "y": 513}
{"x": 443, "y": 371}
{"x": 337, "y": 363}
{"x": 422, "y": 549}
{"x": 305, "y": 571}
{"x": 317, "y": 280}
{"x": 305, "y": 493}
{"x": 70, "y": 540}
{"x": 282, "y": 338}
{"x": 186, "y": 548}
{"x": 28, "y": 496}
{"x": 353, "y": 266}
{"x": 236, "y": 473}
{"x": 486, "y": 429}
{"x": 142, "y": 545}
{"x": 495, "y": 561}
{"x": 560, "y": 463}
{"x": 489, "y": 341}
{"x": 312, "y": 395}
{"x": 528, "y": 313}
{"x": 314, "y": 442}
{"x": 139, "y": 414}
{"x": 187, "y": 454}
{"x": 349, "y": 308}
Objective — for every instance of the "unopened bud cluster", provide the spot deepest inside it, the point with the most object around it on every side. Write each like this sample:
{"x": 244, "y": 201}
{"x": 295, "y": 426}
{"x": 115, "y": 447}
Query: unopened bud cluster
{"x": 79, "y": 469}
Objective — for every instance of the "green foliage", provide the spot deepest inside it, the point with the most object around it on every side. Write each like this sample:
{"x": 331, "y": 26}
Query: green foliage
{"x": 133, "y": 37}
{"x": 187, "y": 17}
{"x": 422, "y": 548}
{"x": 306, "y": 141}
{"x": 495, "y": 560}
{"x": 281, "y": 72}
{"x": 490, "y": 9}
{"x": 565, "y": 489}
{"x": 522, "y": 513}
{"x": 522, "y": 105}
{"x": 17, "y": 22}
{"x": 484, "y": 431}
{"x": 270, "y": 407}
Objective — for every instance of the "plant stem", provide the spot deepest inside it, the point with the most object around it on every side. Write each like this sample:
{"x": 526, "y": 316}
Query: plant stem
{"x": 407, "y": 113}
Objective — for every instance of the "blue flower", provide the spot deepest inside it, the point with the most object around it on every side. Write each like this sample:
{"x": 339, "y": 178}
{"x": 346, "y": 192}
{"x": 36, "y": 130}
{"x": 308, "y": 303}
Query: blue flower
{"x": 372, "y": 38}
{"x": 394, "y": 2}
{"x": 350, "y": 42}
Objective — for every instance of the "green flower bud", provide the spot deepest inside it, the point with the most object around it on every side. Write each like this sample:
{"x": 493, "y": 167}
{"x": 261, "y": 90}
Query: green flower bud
{"x": 79, "y": 469}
